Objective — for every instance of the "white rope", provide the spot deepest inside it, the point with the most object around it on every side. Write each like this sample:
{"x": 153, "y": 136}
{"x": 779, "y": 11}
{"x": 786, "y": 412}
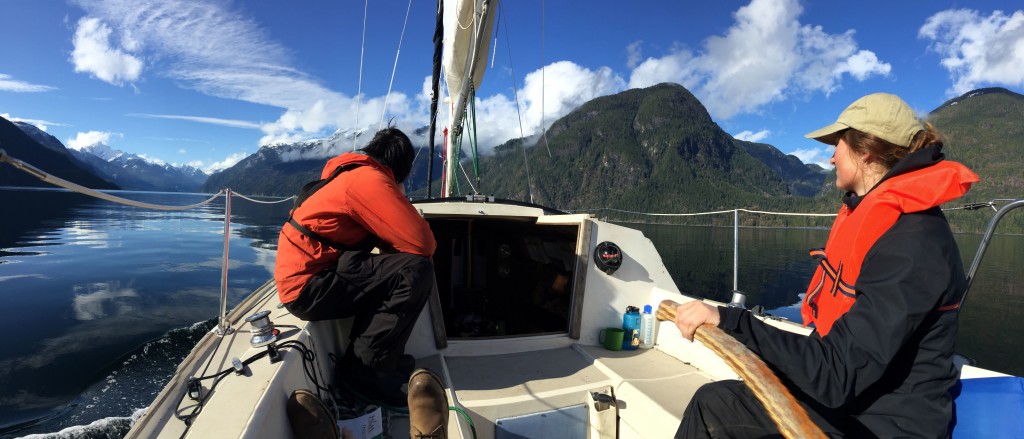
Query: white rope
{"x": 467, "y": 178}
{"x": 56, "y": 181}
{"x": 717, "y": 212}
{"x": 764, "y": 212}
{"x": 359, "y": 87}
{"x": 786, "y": 213}
{"x": 395, "y": 68}
{"x": 236, "y": 194}
{"x": 459, "y": 23}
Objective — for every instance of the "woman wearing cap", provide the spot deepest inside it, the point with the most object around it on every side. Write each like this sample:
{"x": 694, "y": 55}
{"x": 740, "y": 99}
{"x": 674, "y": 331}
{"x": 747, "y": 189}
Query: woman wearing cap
{"x": 882, "y": 301}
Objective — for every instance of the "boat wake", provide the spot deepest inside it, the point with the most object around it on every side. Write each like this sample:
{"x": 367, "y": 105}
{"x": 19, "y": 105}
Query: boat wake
{"x": 109, "y": 407}
{"x": 113, "y": 427}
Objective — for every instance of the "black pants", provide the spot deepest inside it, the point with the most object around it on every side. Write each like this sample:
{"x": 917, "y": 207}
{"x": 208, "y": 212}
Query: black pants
{"x": 385, "y": 293}
{"x": 729, "y": 409}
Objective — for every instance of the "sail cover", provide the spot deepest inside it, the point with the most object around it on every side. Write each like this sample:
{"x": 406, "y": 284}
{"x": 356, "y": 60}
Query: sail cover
{"x": 467, "y": 28}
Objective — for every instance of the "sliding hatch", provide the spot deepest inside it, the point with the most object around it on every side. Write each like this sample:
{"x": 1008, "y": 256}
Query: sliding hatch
{"x": 508, "y": 276}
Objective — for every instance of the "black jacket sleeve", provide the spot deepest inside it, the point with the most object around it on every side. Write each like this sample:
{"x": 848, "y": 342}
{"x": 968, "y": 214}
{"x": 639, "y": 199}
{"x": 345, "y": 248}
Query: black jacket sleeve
{"x": 904, "y": 277}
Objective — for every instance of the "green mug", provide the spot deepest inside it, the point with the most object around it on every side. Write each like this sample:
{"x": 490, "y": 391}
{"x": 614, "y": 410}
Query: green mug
{"x": 611, "y": 338}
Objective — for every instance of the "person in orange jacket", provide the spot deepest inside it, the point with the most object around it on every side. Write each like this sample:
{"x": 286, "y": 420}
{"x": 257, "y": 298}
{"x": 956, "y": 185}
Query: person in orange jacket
{"x": 882, "y": 302}
{"x": 325, "y": 268}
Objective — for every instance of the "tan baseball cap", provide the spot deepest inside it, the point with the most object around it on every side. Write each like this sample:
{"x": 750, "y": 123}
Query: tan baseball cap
{"x": 881, "y": 114}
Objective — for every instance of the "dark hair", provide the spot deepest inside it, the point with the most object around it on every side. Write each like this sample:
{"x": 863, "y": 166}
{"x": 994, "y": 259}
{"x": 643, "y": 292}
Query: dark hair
{"x": 392, "y": 148}
{"x": 886, "y": 152}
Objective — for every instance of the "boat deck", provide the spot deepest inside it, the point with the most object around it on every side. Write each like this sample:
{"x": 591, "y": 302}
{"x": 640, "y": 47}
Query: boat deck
{"x": 651, "y": 387}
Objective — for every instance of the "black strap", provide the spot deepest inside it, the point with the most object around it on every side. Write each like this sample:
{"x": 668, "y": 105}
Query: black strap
{"x": 307, "y": 191}
{"x": 312, "y": 235}
{"x": 312, "y": 187}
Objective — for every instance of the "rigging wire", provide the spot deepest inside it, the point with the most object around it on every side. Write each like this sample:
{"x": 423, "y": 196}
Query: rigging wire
{"x": 359, "y": 89}
{"x": 474, "y": 140}
{"x": 395, "y": 68}
{"x": 463, "y": 168}
{"x": 519, "y": 113}
{"x": 543, "y": 81}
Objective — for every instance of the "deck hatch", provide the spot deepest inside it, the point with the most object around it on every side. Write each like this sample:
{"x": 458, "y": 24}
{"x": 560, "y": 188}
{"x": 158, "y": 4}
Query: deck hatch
{"x": 567, "y": 423}
{"x": 500, "y": 277}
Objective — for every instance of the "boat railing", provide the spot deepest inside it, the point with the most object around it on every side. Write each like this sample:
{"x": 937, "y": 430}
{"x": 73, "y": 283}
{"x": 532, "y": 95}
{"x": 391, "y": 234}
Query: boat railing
{"x": 983, "y": 245}
{"x": 223, "y": 325}
{"x": 739, "y": 298}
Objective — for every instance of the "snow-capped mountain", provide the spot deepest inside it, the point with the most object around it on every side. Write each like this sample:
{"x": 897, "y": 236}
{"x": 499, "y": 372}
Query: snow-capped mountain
{"x": 103, "y": 151}
{"x": 42, "y": 137}
{"x": 129, "y": 171}
{"x": 35, "y": 147}
{"x": 281, "y": 169}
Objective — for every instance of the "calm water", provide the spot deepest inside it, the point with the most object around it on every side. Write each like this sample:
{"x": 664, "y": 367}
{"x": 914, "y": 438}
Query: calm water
{"x": 774, "y": 269}
{"x": 102, "y": 301}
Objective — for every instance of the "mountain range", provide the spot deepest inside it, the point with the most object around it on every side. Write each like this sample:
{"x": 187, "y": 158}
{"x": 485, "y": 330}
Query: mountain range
{"x": 761, "y": 169}
{"x": 47, "y": 157}
{"x": 654, "y": 149}
{"x": 120, "y": 169}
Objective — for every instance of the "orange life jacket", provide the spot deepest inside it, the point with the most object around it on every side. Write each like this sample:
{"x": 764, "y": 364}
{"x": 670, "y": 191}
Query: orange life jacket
{"x": 359, "y": 205}
{"x": 832, "y": 290}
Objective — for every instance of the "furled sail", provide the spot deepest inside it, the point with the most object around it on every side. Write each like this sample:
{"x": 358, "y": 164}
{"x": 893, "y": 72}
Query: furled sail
{"x": 467, "y": 29}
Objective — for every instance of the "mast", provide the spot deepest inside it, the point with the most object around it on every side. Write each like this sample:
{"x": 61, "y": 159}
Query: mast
{"x": 434, "y": 80}
{"x": 468, "y": 25}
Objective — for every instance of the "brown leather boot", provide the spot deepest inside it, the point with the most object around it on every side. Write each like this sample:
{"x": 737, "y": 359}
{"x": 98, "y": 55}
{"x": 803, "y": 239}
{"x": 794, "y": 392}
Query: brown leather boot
{"x": 310, "y": 417}
{"x": 428, "y": 406}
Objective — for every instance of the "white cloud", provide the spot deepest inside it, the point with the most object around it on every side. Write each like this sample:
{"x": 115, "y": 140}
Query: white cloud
{"x": 234, "y": 59}
{"x": 820, "y": 156}
{"x": 39, "y": 123}
{"x": 234, "y": 123}
{"x": 634, "y": 54}
{"x": 93, "y": 54}
{"x": 751, "y": 136}
{"x": 182, "y": 151}
{"x": 546, "y": 96}
{"x": 228, "y": 162}
{"x": 862, "y": 65}
{"x": 8, "y": 83}
{"x": 91, "y": 138}
{"x": 978, "y": 50}
{"x": 765, "y": 57}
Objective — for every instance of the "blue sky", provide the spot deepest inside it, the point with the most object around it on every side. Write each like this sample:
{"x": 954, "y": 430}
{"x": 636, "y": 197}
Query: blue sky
{"x": 208, "y": 82}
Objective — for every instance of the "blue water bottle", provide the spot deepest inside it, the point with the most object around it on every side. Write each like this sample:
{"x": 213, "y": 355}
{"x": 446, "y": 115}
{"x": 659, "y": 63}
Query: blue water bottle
{"x": 631, "y": 325}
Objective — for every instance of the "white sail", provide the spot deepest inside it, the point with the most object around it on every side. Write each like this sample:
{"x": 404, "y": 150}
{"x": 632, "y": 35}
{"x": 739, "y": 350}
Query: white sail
{"x": 467, "y": 31}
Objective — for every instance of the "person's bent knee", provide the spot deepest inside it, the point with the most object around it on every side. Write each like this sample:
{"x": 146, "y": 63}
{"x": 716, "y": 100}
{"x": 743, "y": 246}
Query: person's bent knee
{"x": 421, "y": 268}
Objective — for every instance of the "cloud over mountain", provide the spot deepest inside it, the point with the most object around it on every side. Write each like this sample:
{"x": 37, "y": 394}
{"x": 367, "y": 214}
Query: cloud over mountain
{"x": 978, "y": 50}
{"x": 766, "y": 56}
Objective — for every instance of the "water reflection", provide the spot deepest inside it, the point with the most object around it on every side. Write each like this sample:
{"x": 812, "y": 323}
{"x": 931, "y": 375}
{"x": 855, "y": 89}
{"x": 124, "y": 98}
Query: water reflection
{"x": 774, "y": 265}
{"x": 104, "y": 299}
{"x": 89, "y": 281}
